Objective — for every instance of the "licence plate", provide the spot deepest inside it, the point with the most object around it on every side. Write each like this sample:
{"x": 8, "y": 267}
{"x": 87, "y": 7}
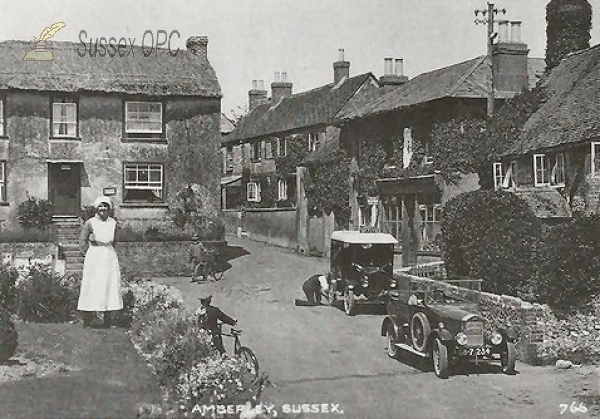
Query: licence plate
{"x": 477, "y": 351}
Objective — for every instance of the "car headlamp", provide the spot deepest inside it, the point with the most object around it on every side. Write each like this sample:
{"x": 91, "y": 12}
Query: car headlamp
{"x": 461, "y": 338}
{"x": 496, "y": 338}
{"x": 393, "y": 283}
{"x": 365, "y": 282}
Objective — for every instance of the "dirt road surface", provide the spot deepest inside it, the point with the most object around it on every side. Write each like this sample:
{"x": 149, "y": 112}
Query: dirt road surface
{"x": 318, "y": 355}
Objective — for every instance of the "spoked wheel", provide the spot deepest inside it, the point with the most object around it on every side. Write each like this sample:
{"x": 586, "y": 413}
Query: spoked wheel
{"x": 441, "y": 363}
{"x": 392, "y": 350}
{"x": 200, "y": 273}
{"x": 349, "y": 302}
{"x": 419, "y": 331}
{"x": 508, "y": 358}
{"x": 249, "y": 359}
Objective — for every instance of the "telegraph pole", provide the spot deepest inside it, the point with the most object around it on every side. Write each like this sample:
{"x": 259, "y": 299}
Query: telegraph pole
{"x": 488, "y": 19}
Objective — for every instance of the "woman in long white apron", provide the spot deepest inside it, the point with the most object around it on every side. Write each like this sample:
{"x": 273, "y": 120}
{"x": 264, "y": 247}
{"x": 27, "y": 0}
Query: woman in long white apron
{"x": 101, "y": 284}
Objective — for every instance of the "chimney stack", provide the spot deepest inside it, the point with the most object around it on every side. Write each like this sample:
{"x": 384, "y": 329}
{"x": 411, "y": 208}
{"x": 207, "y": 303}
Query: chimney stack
{"x": 197, "y": 45}
{"x": 280, "y": 88}
{"x": 341, "y": 68}
{"x": 393, "y": 72}
{"x": 258, "y": 95}
{"x": 509, "y": 59}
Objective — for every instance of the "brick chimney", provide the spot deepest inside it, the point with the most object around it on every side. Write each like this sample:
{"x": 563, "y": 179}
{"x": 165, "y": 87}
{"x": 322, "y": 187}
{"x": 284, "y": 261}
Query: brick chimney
{"x": 258, "y": 95}
{"x": 393, "y": 72}
{"x": 509, "y": 59}
{"x": 197, "y": 45}
{"x": 341, "y": 68}
{"x": 280, "y": 88}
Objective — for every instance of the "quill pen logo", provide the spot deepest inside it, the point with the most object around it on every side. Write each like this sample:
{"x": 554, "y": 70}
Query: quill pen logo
{"x": 40, "y": 52}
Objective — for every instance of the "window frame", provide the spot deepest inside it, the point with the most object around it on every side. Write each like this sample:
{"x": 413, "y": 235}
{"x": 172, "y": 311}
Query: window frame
{"x": 2, "y": 116}
{"x": 593, "y": 154}
{"x": 282, "y": 190}
{"x": 498, "y": 175}
{"x": 269, "y": 154}
{"x": 544, "y": 170}
{"x": 253, "y": 187}
{"x": 281, "y": 145}
{"x": 127, "y": 167}
{"x": 313, "y": 141}
{"x": 553, "y": 181}
{"x": 64, "y": 100}
{"x": 3, "y": 188}
{"x": 229, "y": 162}
{"x": 256, "y": 151}
{"x": 147, "y": 135}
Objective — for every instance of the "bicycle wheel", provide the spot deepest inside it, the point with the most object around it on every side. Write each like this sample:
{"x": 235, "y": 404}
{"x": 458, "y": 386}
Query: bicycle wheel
{"x": 246, "y": 355}
{"x": 200, "y": 273}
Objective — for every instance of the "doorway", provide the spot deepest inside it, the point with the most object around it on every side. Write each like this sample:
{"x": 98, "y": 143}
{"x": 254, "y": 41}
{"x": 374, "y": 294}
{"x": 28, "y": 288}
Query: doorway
{"x": 64, "y": 188}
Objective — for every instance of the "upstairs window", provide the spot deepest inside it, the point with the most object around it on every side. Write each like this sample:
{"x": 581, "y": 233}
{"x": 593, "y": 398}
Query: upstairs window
{"x": 281, "y": 147}
{"x": 255, "y": 151}
{"x": 143, "y": 118}
{"x": 143, "y": 182}
{"x": 2, "y": 118}
{"x": 269, "y": 149}
{"x": 313, "y": 142}
{"x": 253, "y": 192}
{"x": 229, "y": 159}
{"x": 498, "y": 175}
{"x": 595, "y": 166}
{"x": 557, "y": 177}
{"x": 2, "y": 181}
{"x": 64, "y": 118}
{"x": 540, "y": 170}
{"x": 407, "y": 147}
{"x": 282, "y": 192}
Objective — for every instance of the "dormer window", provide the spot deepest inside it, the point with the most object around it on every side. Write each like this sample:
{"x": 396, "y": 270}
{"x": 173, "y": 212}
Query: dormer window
{"x": 540, "y": 170}
{"x": 549, "y": 169}
{"x": 498, "y": 175}
{"x": 313, "y": 141}
{"x": 64, "y": 118}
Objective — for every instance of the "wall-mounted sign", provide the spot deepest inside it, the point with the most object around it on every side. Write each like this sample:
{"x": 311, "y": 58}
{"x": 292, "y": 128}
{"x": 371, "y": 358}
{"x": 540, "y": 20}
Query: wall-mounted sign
{"x": 65, "y": 167}
{"x": 110, "y": 191}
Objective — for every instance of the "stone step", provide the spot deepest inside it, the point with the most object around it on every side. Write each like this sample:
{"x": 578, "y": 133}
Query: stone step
{"x": 74, "y": 266}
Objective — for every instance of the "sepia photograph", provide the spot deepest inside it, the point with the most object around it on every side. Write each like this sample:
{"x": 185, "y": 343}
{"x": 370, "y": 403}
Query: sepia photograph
{"x": 253, "y": 209}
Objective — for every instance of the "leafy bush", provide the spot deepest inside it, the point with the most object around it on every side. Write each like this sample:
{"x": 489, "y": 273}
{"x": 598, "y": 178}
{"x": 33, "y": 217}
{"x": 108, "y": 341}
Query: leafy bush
{"x": 570, "y": 263}
{"x": 494, "y": 236}
{"x": 196, "y": 208}
{"x": 45, "y": 297}
{"x": 8, "y": 289}
{"x": 35, "y": 213}
{"x": 9, "y": 338}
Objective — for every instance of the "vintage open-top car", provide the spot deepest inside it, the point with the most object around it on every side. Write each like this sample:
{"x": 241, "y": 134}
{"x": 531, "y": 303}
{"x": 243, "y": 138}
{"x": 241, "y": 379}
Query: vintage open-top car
{"x": 362, "y": 267}
{"x": 436, "y": 320}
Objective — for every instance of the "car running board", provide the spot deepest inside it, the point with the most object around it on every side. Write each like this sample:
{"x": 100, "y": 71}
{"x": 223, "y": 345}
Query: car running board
{"x": 412, "y": 350}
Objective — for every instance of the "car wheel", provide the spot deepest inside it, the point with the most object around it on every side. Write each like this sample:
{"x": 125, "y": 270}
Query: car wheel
{"x": 441, "y": 364}
{"x": 419, "y": 331}
{"x": 392, "y": 349}
{"x": 508, "y": 358}
{"x": 349, "y": 303}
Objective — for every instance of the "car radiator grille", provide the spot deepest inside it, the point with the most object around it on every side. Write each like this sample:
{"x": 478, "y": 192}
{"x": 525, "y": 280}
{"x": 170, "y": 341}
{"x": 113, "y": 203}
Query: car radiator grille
{"x": 474, "y": 331}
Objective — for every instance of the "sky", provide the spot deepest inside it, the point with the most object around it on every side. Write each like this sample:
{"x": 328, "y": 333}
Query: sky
{"x": 253, "y": 39}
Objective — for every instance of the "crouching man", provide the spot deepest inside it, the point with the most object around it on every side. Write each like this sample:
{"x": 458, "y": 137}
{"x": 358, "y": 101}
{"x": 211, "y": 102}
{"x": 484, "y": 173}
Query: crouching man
{"x": 315, "y": 287}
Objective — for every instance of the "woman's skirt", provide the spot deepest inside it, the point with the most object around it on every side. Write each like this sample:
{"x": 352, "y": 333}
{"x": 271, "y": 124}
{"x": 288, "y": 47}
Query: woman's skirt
{"x": 101, "y": 284}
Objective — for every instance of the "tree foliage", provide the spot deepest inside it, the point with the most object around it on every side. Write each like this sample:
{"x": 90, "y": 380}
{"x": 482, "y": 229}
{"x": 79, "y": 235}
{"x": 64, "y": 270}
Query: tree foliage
{"x": 568, "y": 29}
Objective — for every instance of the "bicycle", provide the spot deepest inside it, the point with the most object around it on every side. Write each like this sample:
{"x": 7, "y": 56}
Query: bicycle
{"x": 243, "y": 352}
{"x": 208, "y": 268}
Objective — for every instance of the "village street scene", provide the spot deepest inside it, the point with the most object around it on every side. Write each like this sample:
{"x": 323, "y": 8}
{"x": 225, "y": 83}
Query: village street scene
{"x": 319, "y": 209}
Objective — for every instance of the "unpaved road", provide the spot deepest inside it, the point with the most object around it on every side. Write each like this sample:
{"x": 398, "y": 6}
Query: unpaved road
{"x": 318, "y": 355}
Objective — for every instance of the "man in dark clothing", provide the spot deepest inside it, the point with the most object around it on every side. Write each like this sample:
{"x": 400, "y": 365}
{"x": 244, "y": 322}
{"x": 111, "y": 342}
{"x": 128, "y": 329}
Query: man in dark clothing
{"x": 315, "y": 287}
{"x": 208, "y": 317}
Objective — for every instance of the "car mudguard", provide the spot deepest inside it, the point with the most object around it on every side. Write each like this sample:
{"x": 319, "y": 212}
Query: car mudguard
{"x": 442, "y": 334}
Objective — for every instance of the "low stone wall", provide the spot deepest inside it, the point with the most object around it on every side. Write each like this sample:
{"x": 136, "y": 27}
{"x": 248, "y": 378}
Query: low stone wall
{"x": 233, "y": 222}
{"x": 497, "y": 310}
{"x": 157, "y": 258}
{"x": 21, "y": 255}
{"x": 276, "y": 226}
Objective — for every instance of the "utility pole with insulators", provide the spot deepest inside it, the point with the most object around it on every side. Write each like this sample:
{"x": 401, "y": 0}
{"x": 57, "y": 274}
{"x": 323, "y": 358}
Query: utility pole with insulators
{"x": 488, "y": 19}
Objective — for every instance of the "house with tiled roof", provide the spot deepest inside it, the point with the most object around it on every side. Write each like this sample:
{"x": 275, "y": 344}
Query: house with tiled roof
{"x": 558, "y": 153}
{"x": 135, "y": 127}
{"x": 273, "y": 126}
{"x": 399, "y": 118}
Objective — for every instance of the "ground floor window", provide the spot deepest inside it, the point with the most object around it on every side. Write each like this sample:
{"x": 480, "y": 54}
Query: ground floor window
{"x": 430, "y": 228}
{"x": 2, "y": 181}
{"x": 143, "y": 182}
{"x": 253, "y": 192}
{"x": 391, "y": 221}
{"x": 282, "y": 193}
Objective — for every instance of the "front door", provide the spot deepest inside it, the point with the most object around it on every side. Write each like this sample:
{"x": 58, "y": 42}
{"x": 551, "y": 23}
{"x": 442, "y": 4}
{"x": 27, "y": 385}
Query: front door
{"x": 64, "y": 188}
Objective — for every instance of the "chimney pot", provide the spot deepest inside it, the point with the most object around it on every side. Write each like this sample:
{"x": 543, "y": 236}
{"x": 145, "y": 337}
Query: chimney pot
{"x": 515, "y": 31}
{"x": 398, "y": 67}
{"x": 280, "y": 88}
{"x": 258, "y": 94}
{"x": 341, "y": 68}
{"x": 387, "y": 66}
{"x": 261, "y": 85}
{"x": 198, "y": 45}
{"x": 341, "y": 54}
{"x": 503, "y": 31}
{"x": 284, "y": 76}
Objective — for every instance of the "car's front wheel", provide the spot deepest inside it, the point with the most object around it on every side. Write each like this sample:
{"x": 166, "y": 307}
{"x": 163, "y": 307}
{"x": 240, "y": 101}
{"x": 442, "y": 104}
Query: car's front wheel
{"x": 441, "y": 362}
{"x": 508, "y": 358}
{"x": 392, "y": 350}
{"x": 419, "y": 331}
{"x": 349, "y": 302}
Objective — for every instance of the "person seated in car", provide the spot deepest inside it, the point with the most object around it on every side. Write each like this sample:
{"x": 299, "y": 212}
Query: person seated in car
{"x": 416, "y": 295}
